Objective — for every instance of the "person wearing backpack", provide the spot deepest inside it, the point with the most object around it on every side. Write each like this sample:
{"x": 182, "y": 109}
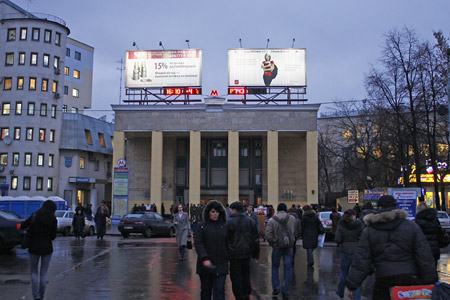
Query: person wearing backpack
{"x": 280, "y": 233}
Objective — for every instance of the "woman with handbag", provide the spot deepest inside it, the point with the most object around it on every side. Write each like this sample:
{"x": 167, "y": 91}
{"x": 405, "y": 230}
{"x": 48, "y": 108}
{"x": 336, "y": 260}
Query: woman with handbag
{"x": 42, "y": 226}
{"x": 181, "y": 222}
{"x": 311, "y": 228}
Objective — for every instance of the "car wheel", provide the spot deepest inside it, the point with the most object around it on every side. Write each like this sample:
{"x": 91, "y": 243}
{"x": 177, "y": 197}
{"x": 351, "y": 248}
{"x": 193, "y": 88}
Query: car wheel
{"x": 171, "y": 232}
{"x": 91, "y": 230}
{"x": 148, "y": 232}
{"x": 66, "y": 231}
{"x": 125, "y": 235}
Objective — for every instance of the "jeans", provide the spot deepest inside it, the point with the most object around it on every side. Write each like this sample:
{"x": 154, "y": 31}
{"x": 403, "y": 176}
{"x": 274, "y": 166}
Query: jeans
{"x": 310, "y": 256}
{"x": 346, "y": 262}
{"x": 214, "y": 284}
{"x": 240, "y": 277}
{"x": 287, "y": 254}
{"x": 182, "y": 250}
{"x": 38, "y": 288}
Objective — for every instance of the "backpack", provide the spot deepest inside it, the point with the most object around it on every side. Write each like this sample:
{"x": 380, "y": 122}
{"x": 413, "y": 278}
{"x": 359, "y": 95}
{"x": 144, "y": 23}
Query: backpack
{"x": 285, "y": 236}
{"x": 275, "y": 71}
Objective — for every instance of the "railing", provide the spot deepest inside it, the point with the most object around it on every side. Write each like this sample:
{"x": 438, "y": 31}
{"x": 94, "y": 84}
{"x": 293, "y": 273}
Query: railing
{"x": 39, "y": 16}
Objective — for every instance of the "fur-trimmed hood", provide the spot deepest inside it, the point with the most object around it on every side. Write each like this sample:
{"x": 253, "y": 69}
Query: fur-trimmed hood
{"x": 218, "y": 206}
{"x": 386, "y": 219}
{"x": 309, "y": 213}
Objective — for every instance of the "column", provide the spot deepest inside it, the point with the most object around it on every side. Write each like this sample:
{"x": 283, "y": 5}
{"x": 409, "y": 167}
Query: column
{"x": 118, "y": 153}
{"x": 233, "y": 166}
{"x": 194, "y": 167}
{"x": 156, "y": 168}
{"x": 312, "y": 168}
{"x": 272, "y": 168}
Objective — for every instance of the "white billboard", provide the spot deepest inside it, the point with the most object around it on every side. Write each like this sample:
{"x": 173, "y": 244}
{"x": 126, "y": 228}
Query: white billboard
{"x": 165, "y": 68}
{"x": 267, "y": 67}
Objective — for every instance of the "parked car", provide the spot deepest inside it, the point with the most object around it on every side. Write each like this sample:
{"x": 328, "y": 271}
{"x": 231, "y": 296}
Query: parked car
{"x": 10, "y": 232}
{"x": 444, "y": 219}
{"x": 324, "y": 217}
{"x": 65, "y": 218}
{"x": 148, "y": 224}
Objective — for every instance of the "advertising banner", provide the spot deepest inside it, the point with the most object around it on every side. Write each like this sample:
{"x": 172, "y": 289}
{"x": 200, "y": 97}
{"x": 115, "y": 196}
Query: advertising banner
{"x": 267, "y": 67}
{"x": 120, "y": 182}
{"x": 353, "y": 196}
{"x": 373, "y": 194}
{"x": 165, "y": 68}
{"x": 406, "y": 200}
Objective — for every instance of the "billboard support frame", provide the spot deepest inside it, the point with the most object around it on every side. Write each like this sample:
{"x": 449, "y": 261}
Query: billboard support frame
{"x": 275, "y": 94}
{"x": 146, "y": 96}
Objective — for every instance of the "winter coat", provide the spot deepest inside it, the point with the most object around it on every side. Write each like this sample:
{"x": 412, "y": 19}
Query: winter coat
{"x": 273, "y": 228}
{"x": 347, "y": 234}
{"x": 394, "y": 246}
{"x": 254, "y": 217}
{"x": 100, "y": 221}
{"x": 182, "y": 226}
{"x": 78, "y": 224}
{"x": 431, "y": 228}
{"x": 43, "y": 231}
{"x": 210, "y": 241}
{"x": 310, "y": 229}
{"x": 241, "y": 231}
{"x": 335, "y": 217}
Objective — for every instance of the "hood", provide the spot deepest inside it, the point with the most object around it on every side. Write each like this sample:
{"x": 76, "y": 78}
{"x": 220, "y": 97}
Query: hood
{"x": 428, "y": 214}
{"x": 309, "y": 213}
{"x": 218, "y": 206}
{"x": 282, "y": 215}
{"x": 351, "y": 224}
{"x": 386, "y": 219}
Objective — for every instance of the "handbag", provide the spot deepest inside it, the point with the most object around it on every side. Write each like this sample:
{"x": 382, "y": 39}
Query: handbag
{"x": 189, "y": 244}
{"x": 27, "y": 238}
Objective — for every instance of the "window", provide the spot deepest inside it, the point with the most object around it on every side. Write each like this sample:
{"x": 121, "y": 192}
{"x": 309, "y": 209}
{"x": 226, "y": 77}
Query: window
{"x": 41, "y": 134}
{"x": 18, "y": 108}
{"x": 219, "y": 149}
{"x": 6, "y": 108}
{"x": 35, "y": 34}
{"x": 40, "y": 160}
{"x": 39, "y": 181}
{"x": 21, "y": 58}
{"x": 88, "y": 136}
{"x": 46, "y": 61}
{"x": 17, "y": 133}
{"x": 64, "y": 108}
{"x": 50, "y": 184}
{"x": 66, "y": 90}
{"x": 3, "y": 159}
{"x": 16, "y": 159}
{"x": 28, "y": 157}
{"x": 4, "y": 132}
{"x": 77, "y": 55}
{"x": 68, "y": 52}
{"x": 76, "y": 74}
{"x": 44, "y": 86}
{"x": 47, "y": 36}
{"x": 23, "y": 34}
{"x": 20, "y": 81}
{"x": 101, "y": 138}
{"x": 258, "y": 148}
{"x": 50, "y": 160}
{"x": 66, "y": 71}
{"x": 74, "y": 110}
{"x": 29, "y": 136}
{"x": 96, "y": 165}
{"x": 243, "y": 148}
{"x": 14, "y": 182}
{"x": 75, "y": 93}
{"x": 11, "y": 35}
{"x": 258, "y": 179}
{"x": 26, "y": 183}
{"x": 56, "y": 62}
{"x": 54, "y": 86}
{"x": 34, "y": 59}
{"x": 82, "y": 163}
{"x": 53, "y": 112}
{"x": 43, "y": 109}
{"x": 9, "y": 60}
{"x": 30, "y": 111}
{"x": 57, "y": 38}
{"x": 32, "y": 86}
{"x": 52, "y": 136}
{"x": 8, "y": 83}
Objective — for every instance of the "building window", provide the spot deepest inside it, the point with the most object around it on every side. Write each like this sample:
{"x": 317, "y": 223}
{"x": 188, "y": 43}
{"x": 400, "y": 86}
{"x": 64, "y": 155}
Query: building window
{"x": 243, "y": 148}
{"x": 8, "y": 83}
{"x": 96, "y": 165}
{"x": 3, "y": 159}
{"x": 56, "y": 62}
{"x": 14, "y": 182}
{"x": 50, "y": 184}
{"x": 46, "y": 62}
{"x": 40, "y": 160}
{"x": 32, "y": 86}
{"x": 4, "y": 132}
{"x": 68, "y": 52}
{"x": 57, "y": 39}
{"x": 64, "y": 108}
{"x": 75, "y": 93}
{"x": 88, "y": 136}
{"x": 43, "y": 109}
{"x": 16, "y": 159}
{"x": 39, "y": 181}
{"x": 34, "y": 59}
{"x": 258, "y": 178}
{"x": 66, "y": 90}
{"x": 44, "y": 86}
{"x": 11, "y": 35}
{"x": 18, "y": 108}
{"x": 6, "y": 108}
{"x": 47, "y": 36}
{"x": 29, "y": 136}
{"x": 17, "y": 133}
{"x": 20, "y": 81}
{"x": 26, "y": 183}
{"x": 101, "y": 137}
{"x": 28, "y": 157}
{"x": 52, "y": 136}
{"x": 77, "y": 55}
{"x": 50, "y": 160}
{"x": 66, "y": 71}
{"x": 53, "y": 113}
{"x": 258, "y": 148}
{"x": 21, "y": 58}
{"x": 23, "y": 34}
{"x": 41, "y": 134}
{"x": 30, "y": 110}
{"x": 82, "y": 163}
{"x": 219, "y": 149}
{"x": 76, "y": 74}
{"x": 54, "y": 86}
{"x": 74, "y": 110}
{"x": 35, "y": 34}
{"x": 9, "y": 59}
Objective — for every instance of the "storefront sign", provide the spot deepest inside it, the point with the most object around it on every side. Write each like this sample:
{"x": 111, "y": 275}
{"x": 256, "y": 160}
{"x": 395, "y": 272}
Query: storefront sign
{"x": 406, "y": 200}
{"x": 373, "y": 194}
{"x": 353, "y": 196}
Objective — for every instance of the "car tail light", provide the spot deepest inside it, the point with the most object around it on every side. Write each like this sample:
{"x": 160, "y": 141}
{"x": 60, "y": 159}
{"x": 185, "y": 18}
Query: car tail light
{"x": 18, "y": 225}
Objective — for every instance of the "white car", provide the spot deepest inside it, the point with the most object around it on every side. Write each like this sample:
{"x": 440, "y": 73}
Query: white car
{"x": 444, "y": 219}
{"x": 65, "y": 218}
{"x": 324, "y": 217}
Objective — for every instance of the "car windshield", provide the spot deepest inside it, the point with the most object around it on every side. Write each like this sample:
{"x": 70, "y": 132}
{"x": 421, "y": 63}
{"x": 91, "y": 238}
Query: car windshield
{"x": 442, "y": 215}
{"x": 59, "y": 214}
{"x": 325, "y": 215}
{"x": 133, "y": 216}
{"x": 8, "y": 215}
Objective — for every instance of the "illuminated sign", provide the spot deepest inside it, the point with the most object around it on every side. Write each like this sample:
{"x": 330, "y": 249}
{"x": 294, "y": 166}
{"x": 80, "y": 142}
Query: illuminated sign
{"x": 214, "y": 93}
{"x": 244, "y": 91}
{"x": 429, "y": 178}
{"x": 164, "y": 68}
{"x": 182, "y": 91}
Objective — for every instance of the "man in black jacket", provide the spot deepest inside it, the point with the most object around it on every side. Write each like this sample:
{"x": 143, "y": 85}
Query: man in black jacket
{"x": 242, "y": 230}
{"x": 396, "y": 247}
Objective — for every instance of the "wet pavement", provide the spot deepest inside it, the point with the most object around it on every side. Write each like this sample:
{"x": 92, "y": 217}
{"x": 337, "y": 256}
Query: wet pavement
{"x": 140, "y": 268}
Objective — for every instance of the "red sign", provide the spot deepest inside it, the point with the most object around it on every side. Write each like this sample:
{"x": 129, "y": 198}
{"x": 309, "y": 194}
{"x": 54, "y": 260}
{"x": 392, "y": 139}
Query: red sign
{"x": 214, "y": 93}
{"x": 237, "y": 91}
{"x": 182, "y": 91}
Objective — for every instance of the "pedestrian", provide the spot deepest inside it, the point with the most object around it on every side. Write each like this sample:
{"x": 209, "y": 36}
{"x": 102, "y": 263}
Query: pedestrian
{"x": 311, "y": 228}
{"x": 78, "y": 224}
{"x": 242, "y": 232}
{"x": 227, "y": 210}
{"x": 280, "y": 234}
{"x": 298, "y": 228}
{"x": 335, "y": 217}
{"x": 212, "y": 258}
{"x": 43, "y": 226}
{"x": 396, "y": 247}
{"x": 143, "y": 207}
{"x": 347, "y": 235}
{"x": 251, "y": 214}
{"x": 299, "y": 212}
{"x": 88, "y": 212}
{"x": 100, "y": 220}
{"x": 181, "y": 221}
{"x": 163, "y": 209}
{"x": 80, "y": 206}
{"x": 367, "y": 208}
{"x": 357, "y": 209}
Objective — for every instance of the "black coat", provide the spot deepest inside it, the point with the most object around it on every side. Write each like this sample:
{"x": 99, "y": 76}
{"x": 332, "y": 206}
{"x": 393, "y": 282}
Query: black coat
{"x": 43, "y": 231}
{"x": 429, "y": 223}
{"x": 241, "y": 231}
{"x": 394, "y": 246}
{"x": 347, "y": 234}
{"x": 310, "y": 229}
{"x": 78, "y": 224}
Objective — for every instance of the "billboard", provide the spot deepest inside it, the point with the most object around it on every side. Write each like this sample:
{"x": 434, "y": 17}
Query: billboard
{"x": 267, "y": 67}
{"x": 165, "y": 68}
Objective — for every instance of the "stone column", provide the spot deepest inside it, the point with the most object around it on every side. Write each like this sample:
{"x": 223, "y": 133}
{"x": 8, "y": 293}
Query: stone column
{"x": 233, "y": 166}
{"x": 156, "y": 168}
{"x": 272, "y": 168}
{"x": 118, "y": 153}
{"x": 312, "y": 168}
{"x": 194, "y": 167}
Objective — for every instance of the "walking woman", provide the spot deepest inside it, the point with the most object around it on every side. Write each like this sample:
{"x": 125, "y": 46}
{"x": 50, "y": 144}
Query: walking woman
{"x": 100, "y": 220}
{"x": 78, "y": 224}
{"x": 181, "y": 221}
{"x": 311, "y": 228}
{"x": 43, "y": 225}
{"x": 210, "y": 244}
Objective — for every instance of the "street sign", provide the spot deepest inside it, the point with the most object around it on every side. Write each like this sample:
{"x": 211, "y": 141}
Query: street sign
{"x": 121, "y": 162}
{"x": 353, "y": 196}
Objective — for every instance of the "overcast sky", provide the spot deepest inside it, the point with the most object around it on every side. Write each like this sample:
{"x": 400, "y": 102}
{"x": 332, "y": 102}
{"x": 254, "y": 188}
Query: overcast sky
{"x": 342, "y": 38}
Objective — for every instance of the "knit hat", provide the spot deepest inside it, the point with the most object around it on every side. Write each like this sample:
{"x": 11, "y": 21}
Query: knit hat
{"x": 387, "y": 201}
{"x": 237, "y": 205}
{"x": 281, "y": 207}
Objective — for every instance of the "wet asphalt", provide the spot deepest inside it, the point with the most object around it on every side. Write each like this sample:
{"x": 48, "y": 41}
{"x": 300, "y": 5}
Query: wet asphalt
{"x": 141, "y": 268}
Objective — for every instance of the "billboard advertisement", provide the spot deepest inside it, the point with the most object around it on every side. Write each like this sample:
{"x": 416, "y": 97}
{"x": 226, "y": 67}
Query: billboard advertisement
{"x": 267, "y": 67}
{"x": 164, "y": 68}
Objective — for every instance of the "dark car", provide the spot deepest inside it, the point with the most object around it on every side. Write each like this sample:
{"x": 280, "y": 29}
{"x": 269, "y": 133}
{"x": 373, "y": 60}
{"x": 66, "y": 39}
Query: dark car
{"x": 148, "y": 224}
{"x": 10, "y": 232}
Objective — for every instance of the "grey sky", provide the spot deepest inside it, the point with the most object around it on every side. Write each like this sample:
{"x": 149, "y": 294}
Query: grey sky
{"x": 342, "y": 38}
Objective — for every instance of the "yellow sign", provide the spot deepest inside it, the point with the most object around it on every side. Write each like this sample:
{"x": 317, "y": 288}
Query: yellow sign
{"x": 429, "y": 178}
